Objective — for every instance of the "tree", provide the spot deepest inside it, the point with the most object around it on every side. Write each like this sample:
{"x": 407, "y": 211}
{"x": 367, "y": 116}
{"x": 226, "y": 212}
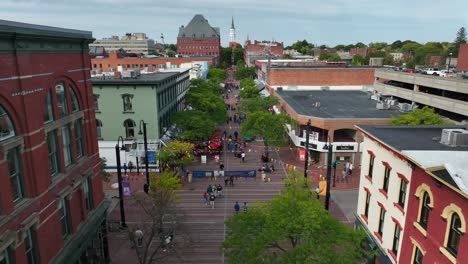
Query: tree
{"x": 193, "y": 125}
{"x": 461, "y": 36}
{"x": 423, "y": 116}
{"x": 245, "y": 72}
{"x": 271, "y": 127}
{"x": 292, "y": 228}
{"x": 218, "y": 75}
{"x": 162, "y": 235}
{"x": 358, "y": 60}
{"x": 250, "y": 105}
{"x": 105, "y": 176}
{"x": 176, "y": 154}
{"x": 332, "y": 57}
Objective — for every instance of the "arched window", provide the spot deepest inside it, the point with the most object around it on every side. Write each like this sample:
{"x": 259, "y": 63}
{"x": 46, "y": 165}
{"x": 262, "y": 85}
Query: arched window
{"x": 454, "y": 234}
{"x": 61, "y": 94}
{"x": 99, "y": 127}
{"x": 48, "y": 108}
{"x": 129, "y": 125}
{"x": 74, "y": 100}
{"x": 424, "y": 217}
{"x": 6, "y": 126}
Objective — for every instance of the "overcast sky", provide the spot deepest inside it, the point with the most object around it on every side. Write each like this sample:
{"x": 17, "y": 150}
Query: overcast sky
{"x": 328, "y": 22}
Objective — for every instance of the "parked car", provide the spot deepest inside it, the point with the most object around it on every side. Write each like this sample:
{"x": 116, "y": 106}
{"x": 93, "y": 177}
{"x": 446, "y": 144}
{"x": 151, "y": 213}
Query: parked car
{"x": 432, "y": 71}
{"x": 409, "y": 71}
{"x": 447, "y": 73}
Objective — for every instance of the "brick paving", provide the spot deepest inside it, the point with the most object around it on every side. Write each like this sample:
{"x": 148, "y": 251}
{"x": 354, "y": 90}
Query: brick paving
{"x": 205, "y": 225}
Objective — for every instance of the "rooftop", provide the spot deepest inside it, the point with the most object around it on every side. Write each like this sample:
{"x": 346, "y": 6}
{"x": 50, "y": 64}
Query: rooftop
{"x": 335, "y": 104}
{"x": 421, "y": 144}
{"x": 142, "y": 79}
{"x": 198, "y": 27}
{"x": 32, "y": 29}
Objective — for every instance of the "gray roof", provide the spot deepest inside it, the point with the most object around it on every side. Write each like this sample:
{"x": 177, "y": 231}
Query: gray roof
{"x": 411, "y": 137}
{"x": 142, "y": 79}
{"x": 198, "y": 27}
{"x": 32, "y": 29}
{"x": 335, "y": 104}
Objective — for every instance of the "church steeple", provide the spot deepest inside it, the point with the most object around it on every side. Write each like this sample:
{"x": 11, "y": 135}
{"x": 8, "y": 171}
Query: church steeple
{"x": 232, "y": 32}
{"x": 232, "y": 23}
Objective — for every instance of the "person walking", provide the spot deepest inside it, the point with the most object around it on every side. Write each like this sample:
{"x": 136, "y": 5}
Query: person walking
{"x": 205, "y": 195}
{"x": 139, "y": 237}
{"x": 236, "y": 134}
{"x": 237, "y": 207}
{"x": 231, "y": 181}
{"x": 209, "y": 189}
{"x": 219, "y": 188}
{"x": 243, "y": 156}
{"x": 212, "y": 200}
{"x": 226, "y": 180}
{"x": 244, "y": 207}
{"x": 125, "y": 167}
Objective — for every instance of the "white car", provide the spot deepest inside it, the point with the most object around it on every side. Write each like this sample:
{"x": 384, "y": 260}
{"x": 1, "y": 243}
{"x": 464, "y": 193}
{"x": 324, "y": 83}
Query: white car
{"x": 432, "y": 71}
{"x": 447, "y": 73}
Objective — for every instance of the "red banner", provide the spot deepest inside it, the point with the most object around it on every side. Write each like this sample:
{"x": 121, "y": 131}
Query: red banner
{"x": 302, "y": 154}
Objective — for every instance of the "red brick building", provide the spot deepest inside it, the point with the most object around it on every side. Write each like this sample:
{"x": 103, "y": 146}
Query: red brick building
{"x": 260, "y": 50}
{"x": 52, "y": 207}
{"x": 361, "y": 51}
{"x": 462, "y": 63}
{"x": 198, "y": 38}
{"x": 130, "y": 63}
{"x": 433, "y": 239}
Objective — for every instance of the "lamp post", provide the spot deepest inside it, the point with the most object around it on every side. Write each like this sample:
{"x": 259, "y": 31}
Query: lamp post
{"x": 328, "y": 147}
{"x": 145, "y": 140}
{"x": 119, "y": 179}
{"x": 306, "y": 163}
{"x": 450, "y": 60}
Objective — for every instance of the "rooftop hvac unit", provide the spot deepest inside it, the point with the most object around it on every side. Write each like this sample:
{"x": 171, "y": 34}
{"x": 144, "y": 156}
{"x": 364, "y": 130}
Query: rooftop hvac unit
{"x": 325, "y": 88}
{"x": 383, "y": 106}
{"x": 404, "y": 107}
{"x": 454, "y": 137}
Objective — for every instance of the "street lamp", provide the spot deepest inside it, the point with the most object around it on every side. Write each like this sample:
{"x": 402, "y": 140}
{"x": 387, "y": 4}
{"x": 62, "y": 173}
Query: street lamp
{"x": 450, "y": 60}
{"x": 306, "y": 163}
{"x": 145, "y": 140}
{"x": 328, "y": 147}
{"x": 119, "y": 179}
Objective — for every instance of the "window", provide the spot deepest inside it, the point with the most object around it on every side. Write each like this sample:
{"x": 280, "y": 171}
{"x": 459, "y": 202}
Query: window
{"x": 5, "y": 257}
{"x": 96, "y": 102}
{"x": 129, "y": 125}
{"x": 381, "y": 221}
{"x": 99, "y": 128}
{"x": 402, "y": 194}
{"x": 366, "y": 208}
{"x": 53, "y": 153}
{"x": 61, "y": 99}
{"x": 74, "y": 100}
{"x": 386, "y": 179}
{"x": 127, "y": 102}
{"x": 31, "y": 247}
{"x": 396, "y": 239}
{"x": 16, "y": 174}
{"x": 454, "y": 234}
{"x": 79, "y": 138}
{"x": 6, "y": 126}
{"x": 424, "y": 217}
{"x": 418, "y": 256}
{"x": 65, "y": 217}
{"x": 88, "y": 193}
{"x": 48, "y": 108}
{"x": 66, "y": 145}
{"x": 371, "y": 166}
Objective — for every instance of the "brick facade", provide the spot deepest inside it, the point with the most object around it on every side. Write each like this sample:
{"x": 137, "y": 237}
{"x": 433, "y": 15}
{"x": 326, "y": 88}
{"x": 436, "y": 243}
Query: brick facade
{"x": 30, "y": 70}
{"x": 462, "y": 64}
{"x": 113, "y": 61}
{"x": 199, "y": 46}
{"x": 321, "y": 76}
{"x": 442, "y": 197}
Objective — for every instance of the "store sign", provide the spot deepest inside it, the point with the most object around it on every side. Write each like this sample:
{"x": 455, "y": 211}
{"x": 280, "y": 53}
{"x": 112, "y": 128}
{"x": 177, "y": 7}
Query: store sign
{"x": 302, "y": 154}
{"x": 344, "y": 147}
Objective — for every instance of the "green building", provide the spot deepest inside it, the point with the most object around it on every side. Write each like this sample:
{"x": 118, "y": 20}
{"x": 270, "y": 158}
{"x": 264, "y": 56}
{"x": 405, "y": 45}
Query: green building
{"x": 121, "y": 104}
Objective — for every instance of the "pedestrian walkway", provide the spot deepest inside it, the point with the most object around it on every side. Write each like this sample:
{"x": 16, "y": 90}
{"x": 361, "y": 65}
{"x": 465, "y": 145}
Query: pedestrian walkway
{"x": 204, "y": 225}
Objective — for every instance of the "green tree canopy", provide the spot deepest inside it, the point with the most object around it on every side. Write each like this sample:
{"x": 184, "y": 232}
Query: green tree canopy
{"x": 292, "y": 228}
{"x": 194, "y": 125}
{"x": 423, "y": 116}
{"x": 248, "y": 89}
{"x": 245, "y": 72}
{"x": 176, "y": 154}
{"x": 333, "y": 57}
{"x": 271, "y": 127}
{"x": 250, "y": 105}
{"x": 218, "y": 75}
{"x": 358, "y": 60}
{"x": 303, "y": 46}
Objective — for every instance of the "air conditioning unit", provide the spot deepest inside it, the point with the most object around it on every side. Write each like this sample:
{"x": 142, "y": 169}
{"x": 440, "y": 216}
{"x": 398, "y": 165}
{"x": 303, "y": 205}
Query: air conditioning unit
{"x": 404, "y": 107}
{"x": 454, "y": 137}
{"x": 383, "y": 106}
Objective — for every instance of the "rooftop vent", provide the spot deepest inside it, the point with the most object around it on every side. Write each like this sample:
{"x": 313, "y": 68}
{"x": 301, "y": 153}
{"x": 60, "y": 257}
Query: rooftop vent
{"x": 454, "y": 137}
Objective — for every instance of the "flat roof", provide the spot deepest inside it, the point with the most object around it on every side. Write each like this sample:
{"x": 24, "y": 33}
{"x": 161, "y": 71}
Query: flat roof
{"x": 412, "y": 137}
{"x": 32, "y": 29}
{"x": 335, "y": 104}
{"x": 142, "y": 79}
